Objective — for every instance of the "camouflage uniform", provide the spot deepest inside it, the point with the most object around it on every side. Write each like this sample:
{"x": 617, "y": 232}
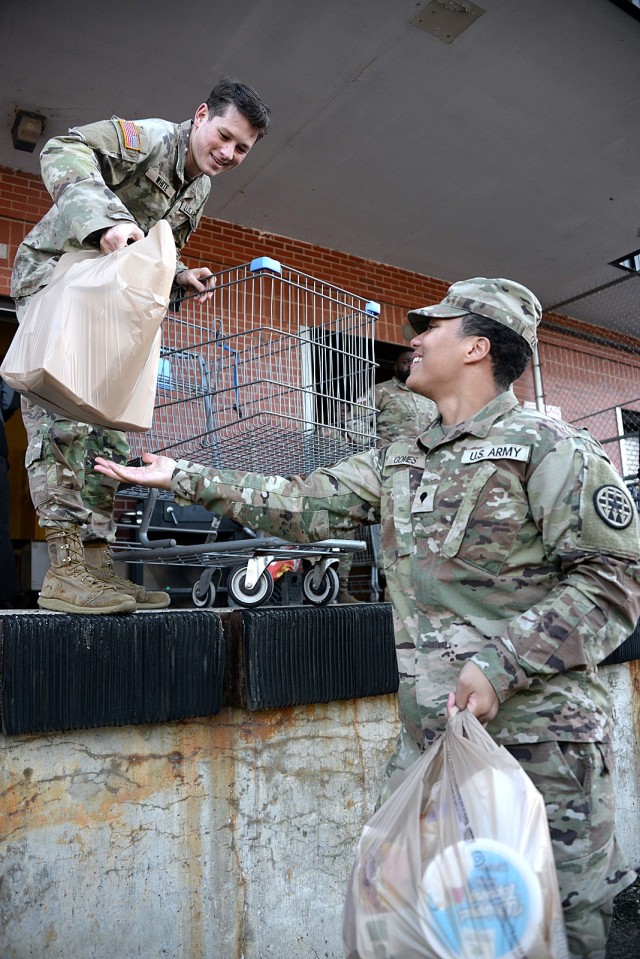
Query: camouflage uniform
{"x": 509, "y": 540}
{"x": 401, "y": 413}
{"x": 98, "y": 176}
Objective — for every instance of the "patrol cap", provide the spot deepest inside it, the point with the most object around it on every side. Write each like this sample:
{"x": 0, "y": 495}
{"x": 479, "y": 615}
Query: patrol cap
{"x": 504, "y": 301}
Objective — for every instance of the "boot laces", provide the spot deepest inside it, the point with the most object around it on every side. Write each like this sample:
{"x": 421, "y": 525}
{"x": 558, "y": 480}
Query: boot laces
{"x": 76, "y": 567}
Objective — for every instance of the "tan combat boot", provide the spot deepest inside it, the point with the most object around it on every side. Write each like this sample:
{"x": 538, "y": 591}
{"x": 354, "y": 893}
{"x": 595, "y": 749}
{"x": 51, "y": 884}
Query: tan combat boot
{"x": 345, "y": 595}
{"x": 69, "y": 587}
{"x": 99, "y": 560}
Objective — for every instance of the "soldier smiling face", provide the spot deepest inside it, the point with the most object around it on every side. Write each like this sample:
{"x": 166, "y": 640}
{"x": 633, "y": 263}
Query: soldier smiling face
{"x": 218, "y": 144}
{"x": 438, "y": 357}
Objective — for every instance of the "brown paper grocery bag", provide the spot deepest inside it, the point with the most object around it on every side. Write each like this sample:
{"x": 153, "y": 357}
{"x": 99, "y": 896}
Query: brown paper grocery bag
{"x": 88, "y": 345}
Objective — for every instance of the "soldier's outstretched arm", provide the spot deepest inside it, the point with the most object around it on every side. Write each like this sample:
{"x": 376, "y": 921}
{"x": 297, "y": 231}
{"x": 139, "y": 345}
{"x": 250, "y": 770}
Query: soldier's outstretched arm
{"x": 300, "y": 508}
{"x": 156, "y": 472}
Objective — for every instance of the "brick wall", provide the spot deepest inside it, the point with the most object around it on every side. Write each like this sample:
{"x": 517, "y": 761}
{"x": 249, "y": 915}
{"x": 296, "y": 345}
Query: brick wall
{"x": 572, "y": 366}
{"x": 23, "y": 200}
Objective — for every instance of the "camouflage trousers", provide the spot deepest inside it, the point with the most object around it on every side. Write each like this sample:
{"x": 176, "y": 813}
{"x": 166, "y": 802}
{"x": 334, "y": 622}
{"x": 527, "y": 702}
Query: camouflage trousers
{"x": 348, "y": 560}
{"x": 64, "y": 487}
{"x": 576, "y": 783}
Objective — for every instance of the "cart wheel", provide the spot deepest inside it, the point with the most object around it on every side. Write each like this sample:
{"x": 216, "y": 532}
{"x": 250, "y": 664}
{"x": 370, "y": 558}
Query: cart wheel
{"x": 326, "y": 590}
{"x": 205, "y": 598}
{"x": 242, "y": 595}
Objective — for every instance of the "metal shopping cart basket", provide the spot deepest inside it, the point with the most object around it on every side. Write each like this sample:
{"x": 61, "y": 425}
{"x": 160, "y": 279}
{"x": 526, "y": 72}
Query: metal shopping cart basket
{"x": 269, "y": 376}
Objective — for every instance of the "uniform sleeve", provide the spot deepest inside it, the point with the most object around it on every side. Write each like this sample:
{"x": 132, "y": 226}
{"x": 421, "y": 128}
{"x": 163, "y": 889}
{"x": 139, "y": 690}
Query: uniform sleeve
{"x": 298, "y": 509}
{"x": 589, "y": 526}
{"x": 380, "y": 397}
{"x": 78, "y": 170}
{"x": 386, "y": 422}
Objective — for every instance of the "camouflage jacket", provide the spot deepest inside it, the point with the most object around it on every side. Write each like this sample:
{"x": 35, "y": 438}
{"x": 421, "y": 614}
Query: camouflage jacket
{"x": 401, "y": 413}
{"x": 101, "y": 174}
{"x": 509, "y": 539}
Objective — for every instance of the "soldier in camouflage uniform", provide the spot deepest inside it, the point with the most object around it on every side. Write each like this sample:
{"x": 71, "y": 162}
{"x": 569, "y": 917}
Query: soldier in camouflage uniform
{"x": 111, "y": 181}
{"x": 511, "y": 550}
{"x": 401, "y": 414}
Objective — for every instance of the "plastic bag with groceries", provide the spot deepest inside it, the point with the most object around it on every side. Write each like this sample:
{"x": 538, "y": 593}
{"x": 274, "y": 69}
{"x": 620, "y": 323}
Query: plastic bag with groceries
{"x": 457, "y": 863}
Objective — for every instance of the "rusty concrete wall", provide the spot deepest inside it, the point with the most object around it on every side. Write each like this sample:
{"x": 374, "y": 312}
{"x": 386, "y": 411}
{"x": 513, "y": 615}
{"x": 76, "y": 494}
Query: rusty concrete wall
{"x": 222, "y": 838}
{"x": 624, "y": 685}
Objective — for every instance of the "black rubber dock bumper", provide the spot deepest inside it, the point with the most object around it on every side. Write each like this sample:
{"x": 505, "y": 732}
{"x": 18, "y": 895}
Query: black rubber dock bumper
{"x": 300, "y": 654}
{"x": 627, "y": 651}
{"x": 60, "y": 672}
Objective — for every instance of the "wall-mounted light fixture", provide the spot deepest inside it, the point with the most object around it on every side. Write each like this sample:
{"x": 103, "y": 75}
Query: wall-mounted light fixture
{"x": 27, "y": 130}
{"x": 629, "y": 262}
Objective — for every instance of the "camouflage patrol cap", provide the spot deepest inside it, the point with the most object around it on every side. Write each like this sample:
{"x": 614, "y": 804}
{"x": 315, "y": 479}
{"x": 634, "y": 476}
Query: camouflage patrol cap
{"x": 504, "y": 301}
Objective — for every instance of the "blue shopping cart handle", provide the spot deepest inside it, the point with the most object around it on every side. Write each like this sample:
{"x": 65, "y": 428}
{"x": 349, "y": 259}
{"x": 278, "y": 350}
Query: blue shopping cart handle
{"x": 265, "y": 263}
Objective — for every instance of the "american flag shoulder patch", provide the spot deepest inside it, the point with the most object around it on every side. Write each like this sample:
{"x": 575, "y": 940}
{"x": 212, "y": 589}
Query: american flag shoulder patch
{"x": 130, "y": 134}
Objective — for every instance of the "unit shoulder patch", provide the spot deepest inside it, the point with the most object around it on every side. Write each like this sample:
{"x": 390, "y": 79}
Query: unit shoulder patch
{"x": 614, "y": 506}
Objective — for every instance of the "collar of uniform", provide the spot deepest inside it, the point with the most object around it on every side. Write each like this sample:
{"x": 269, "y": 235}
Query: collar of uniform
{"x": 185, "y": 133}
{"x": 479, "y": 425}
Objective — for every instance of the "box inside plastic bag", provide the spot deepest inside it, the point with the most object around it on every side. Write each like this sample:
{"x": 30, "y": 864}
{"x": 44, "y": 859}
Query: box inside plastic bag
{"x": 457, "y": 863}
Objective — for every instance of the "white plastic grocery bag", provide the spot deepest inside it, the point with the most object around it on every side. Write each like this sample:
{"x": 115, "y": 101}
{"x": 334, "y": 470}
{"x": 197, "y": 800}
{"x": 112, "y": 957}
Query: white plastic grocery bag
{"x": 457, "y": 863}
{"x": 88, "y": 345}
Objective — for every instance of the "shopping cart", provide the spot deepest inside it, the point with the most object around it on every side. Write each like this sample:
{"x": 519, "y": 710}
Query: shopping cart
{"x": 265, "y": 377}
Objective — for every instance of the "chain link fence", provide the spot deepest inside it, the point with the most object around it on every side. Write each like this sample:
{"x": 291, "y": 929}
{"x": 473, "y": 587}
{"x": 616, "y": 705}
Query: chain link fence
{"x": 590, "y": 368}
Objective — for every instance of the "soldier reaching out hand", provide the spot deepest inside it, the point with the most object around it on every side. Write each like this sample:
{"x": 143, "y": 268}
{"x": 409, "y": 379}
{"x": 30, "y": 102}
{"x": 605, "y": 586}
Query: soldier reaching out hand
{"x": 511, "y": 550}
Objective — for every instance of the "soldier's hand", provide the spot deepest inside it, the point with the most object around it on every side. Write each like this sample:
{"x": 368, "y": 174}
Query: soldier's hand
{"x": 475, "y": 693}
{"x": 117, "y": 237}
{"x": 199, "y": 280}
{"x": 156, "y": 473}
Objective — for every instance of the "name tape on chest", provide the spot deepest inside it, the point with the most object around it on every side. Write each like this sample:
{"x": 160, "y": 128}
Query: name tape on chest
{"x": 407, "y": 460}
{"x": 156, "y": 177}
{"x": 509, "y": 451}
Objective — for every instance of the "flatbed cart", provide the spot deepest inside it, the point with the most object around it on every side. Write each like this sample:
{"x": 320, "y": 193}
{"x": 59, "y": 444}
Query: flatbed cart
{"x": 262, "y": 377}
{"x": 248, "y": 561}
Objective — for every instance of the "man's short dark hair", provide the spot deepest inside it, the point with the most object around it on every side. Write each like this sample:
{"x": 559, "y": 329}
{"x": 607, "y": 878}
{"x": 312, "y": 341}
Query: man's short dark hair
{"x": 510, "y": 353}
{"x": 244, "y": 98}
